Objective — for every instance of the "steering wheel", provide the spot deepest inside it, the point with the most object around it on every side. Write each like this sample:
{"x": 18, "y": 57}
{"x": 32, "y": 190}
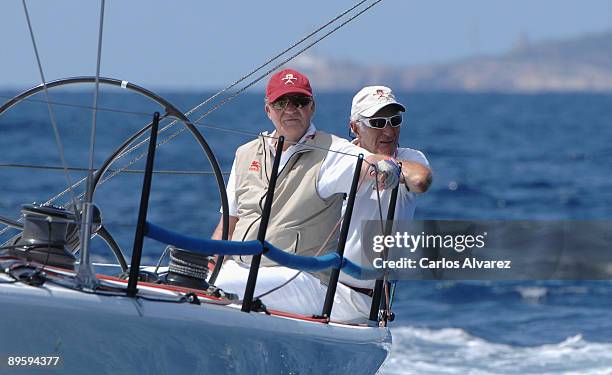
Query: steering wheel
{"x": 169, "y": 111}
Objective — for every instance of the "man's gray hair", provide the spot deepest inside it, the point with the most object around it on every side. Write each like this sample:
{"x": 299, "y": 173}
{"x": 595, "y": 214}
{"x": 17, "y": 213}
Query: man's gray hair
{"x": 356, "y": 117}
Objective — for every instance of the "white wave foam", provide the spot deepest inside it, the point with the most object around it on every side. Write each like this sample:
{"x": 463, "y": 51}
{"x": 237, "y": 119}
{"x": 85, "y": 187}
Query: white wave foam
{"x": 454, "y": 351}
{"x": 532, "y": 293}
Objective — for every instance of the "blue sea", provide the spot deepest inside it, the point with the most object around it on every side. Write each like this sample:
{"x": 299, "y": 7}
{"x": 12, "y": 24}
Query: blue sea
{"x": 494, "y": 156}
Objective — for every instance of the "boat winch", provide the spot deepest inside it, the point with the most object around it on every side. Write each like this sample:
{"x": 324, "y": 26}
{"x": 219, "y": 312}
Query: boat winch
{"x": 188, "y": 269}
{"x": 50, "y": 235}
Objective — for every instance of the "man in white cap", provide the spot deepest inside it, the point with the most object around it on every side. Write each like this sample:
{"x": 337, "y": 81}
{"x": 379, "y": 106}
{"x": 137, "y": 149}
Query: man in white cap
{"x": 307, "y": 200}
{"x": 376, "y": 120}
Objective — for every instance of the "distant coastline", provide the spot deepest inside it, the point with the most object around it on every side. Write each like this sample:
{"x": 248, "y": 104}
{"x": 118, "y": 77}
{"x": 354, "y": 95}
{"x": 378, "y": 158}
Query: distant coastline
{"x": 579, "y": 64}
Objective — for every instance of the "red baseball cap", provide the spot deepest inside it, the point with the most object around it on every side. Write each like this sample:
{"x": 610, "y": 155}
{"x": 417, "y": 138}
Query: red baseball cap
{"x": 287, "y": 81}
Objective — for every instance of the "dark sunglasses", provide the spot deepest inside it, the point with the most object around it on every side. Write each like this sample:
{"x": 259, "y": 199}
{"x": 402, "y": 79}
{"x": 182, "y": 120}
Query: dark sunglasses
{"x": 297, "y": 101}
{"x": 381, "y": 122}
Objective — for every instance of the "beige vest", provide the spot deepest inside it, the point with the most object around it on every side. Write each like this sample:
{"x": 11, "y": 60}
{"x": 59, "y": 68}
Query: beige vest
{"x": 300, "y": 220}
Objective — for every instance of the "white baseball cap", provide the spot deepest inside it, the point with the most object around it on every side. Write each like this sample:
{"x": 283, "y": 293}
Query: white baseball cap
{"x": 371, "y": 99}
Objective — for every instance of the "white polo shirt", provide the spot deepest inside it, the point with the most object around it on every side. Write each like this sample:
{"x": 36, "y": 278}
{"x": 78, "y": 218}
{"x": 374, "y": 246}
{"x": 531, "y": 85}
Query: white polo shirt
{"x": 366, "y": 208}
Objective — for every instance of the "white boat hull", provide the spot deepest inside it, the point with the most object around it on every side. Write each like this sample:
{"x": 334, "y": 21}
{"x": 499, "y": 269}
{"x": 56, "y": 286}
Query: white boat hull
{"x": 99, "y": 334}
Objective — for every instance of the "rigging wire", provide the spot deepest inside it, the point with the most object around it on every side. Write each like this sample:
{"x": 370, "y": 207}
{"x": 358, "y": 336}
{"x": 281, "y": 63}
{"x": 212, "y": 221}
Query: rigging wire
{"x": 92, "y": 141}
{"x": 81, "y": 106}
{"x": 214, "y": 108}
{"x": 240, "y": 91}
{"x": 132, "y": 171}
{"x": 124, "y": 169}
{"x": 144, "y": 114}
{"x": 58, "y": 139}
{"x": 140, "y": 156}
{"x": 224, "y": 101}
{"x": 161, "y": 143}
{"x": 295, "y": 44}
{"x": 85, "y": 274}
{"x": 201, "y": 125}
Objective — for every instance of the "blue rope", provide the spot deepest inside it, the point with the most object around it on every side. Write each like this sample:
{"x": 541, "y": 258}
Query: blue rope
{"x": 217, "y": 247}
{"x": 360, "y": 273}
{"x": 202, "y": 245}
{"x": 302, "y": 263}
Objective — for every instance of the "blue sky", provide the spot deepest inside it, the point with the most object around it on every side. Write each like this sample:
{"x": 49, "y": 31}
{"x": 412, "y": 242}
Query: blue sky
{"x": 204, "y": 44}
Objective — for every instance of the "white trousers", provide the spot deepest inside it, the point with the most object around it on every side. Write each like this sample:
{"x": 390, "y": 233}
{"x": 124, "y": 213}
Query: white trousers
{"x": 303, "y": 295}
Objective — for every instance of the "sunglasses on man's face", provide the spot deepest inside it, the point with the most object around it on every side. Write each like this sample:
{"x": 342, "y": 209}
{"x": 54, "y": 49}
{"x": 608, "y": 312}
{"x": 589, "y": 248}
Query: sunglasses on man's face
{"x": 380, "y": 122}
{"x": 297, "y": 101}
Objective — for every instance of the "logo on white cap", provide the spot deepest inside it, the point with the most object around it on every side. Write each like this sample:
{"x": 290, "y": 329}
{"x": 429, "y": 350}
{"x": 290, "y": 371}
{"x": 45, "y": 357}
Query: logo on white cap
{"x": 381, "y": 94}
{"x": 370, "y": 99}
{"x": 288, "y": 79}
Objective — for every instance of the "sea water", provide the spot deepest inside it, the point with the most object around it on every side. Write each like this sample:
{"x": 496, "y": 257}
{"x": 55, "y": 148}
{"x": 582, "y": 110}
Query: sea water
{"x": 494, "y": 156}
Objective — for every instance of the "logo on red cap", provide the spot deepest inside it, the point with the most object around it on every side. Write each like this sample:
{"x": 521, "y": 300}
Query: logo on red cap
{"x": 287, "y": 81}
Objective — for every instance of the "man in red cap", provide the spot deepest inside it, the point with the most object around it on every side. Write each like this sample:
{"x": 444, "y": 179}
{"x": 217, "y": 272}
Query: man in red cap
{"x": 307, "y": 201}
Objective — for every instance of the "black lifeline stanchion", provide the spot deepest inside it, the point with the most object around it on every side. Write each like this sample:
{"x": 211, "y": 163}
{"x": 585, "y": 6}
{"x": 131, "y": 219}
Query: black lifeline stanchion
{"x": 333, "y": 279}
{"x": 247, "y": 301}
{"x": 142, "y": 212}
{"x": 378, "y": 287}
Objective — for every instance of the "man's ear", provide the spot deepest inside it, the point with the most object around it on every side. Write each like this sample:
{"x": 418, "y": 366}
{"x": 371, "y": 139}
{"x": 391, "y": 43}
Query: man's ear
{"x": 354, "y": 128}
{"x": 267, "y": 109}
